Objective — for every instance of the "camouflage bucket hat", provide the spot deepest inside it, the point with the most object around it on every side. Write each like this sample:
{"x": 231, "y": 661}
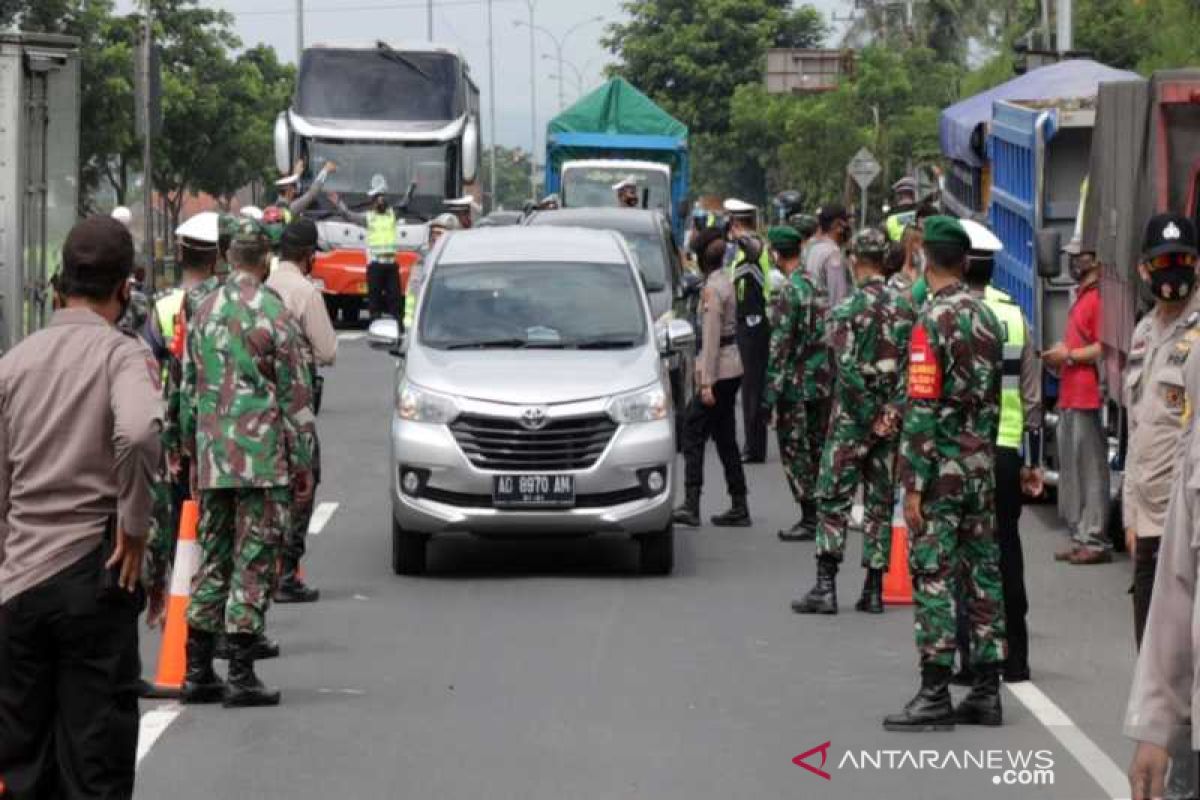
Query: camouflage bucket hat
{"x": 228, "y": 225}
{"x": 870, "y": 242}
{"x": 249, "y": 231}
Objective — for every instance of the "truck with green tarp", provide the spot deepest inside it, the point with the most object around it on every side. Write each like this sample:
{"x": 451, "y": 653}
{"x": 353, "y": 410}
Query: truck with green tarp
{"x": 613, "y": 133}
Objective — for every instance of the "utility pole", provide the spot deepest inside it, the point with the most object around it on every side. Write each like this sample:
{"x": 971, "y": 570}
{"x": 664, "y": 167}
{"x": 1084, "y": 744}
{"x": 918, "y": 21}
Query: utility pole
{"x": 146, "y": 60}
{"x": 532, "y": 109}
{"x": 299, "y": 30}
{"x": 1065, "y": 27}
{"x": 491, "y": 109}
{"x": 429, "y": 19}
{"x": 1046, "y": 24}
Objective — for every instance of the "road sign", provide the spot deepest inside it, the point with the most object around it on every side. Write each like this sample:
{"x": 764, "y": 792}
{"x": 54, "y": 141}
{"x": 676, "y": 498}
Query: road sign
{"x": 864, "y": 168}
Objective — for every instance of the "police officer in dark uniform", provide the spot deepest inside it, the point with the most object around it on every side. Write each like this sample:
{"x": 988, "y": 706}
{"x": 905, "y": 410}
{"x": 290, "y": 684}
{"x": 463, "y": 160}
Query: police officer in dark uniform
{"x": 750, "y": 271}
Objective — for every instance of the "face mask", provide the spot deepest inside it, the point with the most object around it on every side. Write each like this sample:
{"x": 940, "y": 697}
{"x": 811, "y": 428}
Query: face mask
{"x": 1173, "y": 283}
{"x": 1077, "y": 269}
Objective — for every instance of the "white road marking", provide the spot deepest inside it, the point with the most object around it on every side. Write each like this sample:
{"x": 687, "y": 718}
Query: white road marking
{"x": 350, "y": 337}
{"x": 320, "y": 518}
{"x": 152, "y": 725}
{"x": 361, "y": 597}
{"x": 1093, "y": 760}
{"x": 351, "y": 692}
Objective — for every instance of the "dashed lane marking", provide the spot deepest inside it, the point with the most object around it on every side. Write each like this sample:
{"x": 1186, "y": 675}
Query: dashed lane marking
{"x": 350, "y": 337}
{"x": 152, "y": 725}
{"x": 1093, "y": 760}
{"x": 320, "y": 518}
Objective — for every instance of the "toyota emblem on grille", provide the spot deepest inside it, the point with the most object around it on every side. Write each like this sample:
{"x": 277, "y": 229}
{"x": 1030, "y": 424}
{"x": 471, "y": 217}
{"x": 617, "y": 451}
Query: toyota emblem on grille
{"x": 533, "y": 419}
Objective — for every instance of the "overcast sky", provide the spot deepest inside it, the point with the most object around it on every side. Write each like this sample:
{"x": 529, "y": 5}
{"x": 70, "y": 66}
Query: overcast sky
{"x": 463, "y": 24}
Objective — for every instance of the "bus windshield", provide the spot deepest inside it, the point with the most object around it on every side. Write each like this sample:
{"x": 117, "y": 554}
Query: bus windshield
{"x": 379, "y": 85}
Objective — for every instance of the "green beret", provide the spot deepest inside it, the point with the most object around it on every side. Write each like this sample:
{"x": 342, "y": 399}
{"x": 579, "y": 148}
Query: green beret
{"x": 249, "y": 231}
{"x": 783, "y": 236}
{"x": 945, "y": 230}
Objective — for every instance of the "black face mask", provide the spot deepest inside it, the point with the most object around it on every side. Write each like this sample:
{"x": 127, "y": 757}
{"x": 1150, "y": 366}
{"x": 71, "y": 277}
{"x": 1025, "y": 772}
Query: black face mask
{"x": 979, "y": 270}
{"x": 1173, "y": 283}
{"x": 380, "y": 203}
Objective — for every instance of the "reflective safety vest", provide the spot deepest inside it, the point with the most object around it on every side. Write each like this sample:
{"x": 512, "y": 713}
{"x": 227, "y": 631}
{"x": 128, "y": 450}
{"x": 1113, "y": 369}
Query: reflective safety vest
{"x": 764, "y": 264}
{"x": 896, "y": 224}
{"x": 381, "y": 235}
{"x": 170, "y": 320}
{"x": 1012, "y": 409}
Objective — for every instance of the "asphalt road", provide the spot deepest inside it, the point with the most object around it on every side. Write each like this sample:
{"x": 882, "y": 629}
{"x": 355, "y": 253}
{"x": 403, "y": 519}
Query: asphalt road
{"x": 550, "y": 670}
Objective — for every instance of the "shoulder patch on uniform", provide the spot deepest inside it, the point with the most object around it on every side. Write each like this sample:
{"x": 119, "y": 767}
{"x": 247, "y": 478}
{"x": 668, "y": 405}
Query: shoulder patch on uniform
{"x": 924, "y": 371}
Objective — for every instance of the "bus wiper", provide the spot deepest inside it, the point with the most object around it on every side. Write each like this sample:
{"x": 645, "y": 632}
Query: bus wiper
{"x": 390, "y": 53}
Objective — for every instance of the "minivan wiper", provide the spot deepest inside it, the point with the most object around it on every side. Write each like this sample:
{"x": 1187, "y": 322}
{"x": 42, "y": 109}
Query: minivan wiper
{"x": 604, "y": 343}
{"x": 485, "y": 344}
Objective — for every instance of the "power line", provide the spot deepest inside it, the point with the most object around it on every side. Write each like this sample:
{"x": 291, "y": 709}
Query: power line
{"x": 376, "y": 7}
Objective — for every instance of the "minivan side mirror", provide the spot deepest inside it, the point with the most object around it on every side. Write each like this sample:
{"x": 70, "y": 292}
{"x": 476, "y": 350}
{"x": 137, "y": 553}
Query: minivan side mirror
{"x": 384, "y": 334}
{"x": 1049, "y": 247}
{"x": 676, "y": 336}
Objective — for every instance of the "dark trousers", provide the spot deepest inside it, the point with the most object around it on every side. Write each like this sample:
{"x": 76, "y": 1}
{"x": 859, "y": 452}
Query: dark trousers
{"x": 1145, "y": 563}
{"x": 383, "y": 290}
{"x": 295, "y": 539}
{"x": 754, "y": 345}
{"x": 68, "y": 689}
{"x": 1012, "y": 564}
{"x": 718, "y": 422}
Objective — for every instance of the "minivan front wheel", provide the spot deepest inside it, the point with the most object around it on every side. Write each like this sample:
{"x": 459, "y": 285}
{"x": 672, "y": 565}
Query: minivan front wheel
{"x": 408, "y": 551}
{"x": 657, "y": 556}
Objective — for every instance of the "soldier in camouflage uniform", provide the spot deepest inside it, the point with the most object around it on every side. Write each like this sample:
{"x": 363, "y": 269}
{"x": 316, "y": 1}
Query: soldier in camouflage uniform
{"x": 947, "y": 454}
{"x": 247, "y": 424}
{"x": 868, "y": 339}
{"x": 798, "y": 377}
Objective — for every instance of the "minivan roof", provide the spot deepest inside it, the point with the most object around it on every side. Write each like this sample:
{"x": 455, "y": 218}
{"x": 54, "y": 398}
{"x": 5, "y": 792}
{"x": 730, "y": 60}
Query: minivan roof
{"x": 625, "y": 220}
{"x": 518, "y": 244}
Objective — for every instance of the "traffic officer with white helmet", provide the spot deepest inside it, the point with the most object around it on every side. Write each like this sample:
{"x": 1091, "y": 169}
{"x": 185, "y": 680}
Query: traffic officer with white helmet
{"x": 438, "y": 226}
{"x": 289, "y": 185}
{"x": 383, "y": 276}
{"x": 1017, "y": 450}
{"x": 749, "y": 267}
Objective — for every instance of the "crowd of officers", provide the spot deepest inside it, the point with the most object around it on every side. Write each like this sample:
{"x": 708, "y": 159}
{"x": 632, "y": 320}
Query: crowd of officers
{"x": 897, "y": 365}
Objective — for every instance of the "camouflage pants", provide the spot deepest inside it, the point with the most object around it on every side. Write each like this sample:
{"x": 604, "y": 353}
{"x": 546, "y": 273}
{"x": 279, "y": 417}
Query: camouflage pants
{"x": 853, "y": 457}
{"x": 294, "y": 539}
{"x": 239, "y": 537}
{"x": 160, "y": 539}
{"x": 791, "y": 433}
{"x": 957, "y": 543}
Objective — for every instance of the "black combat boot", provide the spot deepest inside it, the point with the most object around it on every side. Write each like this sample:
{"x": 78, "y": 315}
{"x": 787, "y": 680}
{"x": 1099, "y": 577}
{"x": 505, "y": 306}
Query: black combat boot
{"x": 871, "y": 601}
{"x": 982, "y": 705}
{"x": 245, "y": 689}
{"x": 201, "y": 684}
{"x": 738, "y": 516}
{"x": 931, "y": 709}
{"x": 263, "y": 649}
{"x": 809, "y": 522}
{"x": 688, "y": 514}
{"x": 291, "y": 588}
{"x": 822, "y": 598}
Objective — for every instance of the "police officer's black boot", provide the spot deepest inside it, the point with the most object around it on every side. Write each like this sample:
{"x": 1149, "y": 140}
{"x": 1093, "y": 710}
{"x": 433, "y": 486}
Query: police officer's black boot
{"x": 982, "y": 705}
{"x": 291, "y": 588}
{"x": 263, "y": 649}
{"x": 871, "y": 601}
{"x": 822, "y": 598}
{"x": 245, "y": 689}
{"x": 688, "y": 514}
{"x": 931, "y": 709}
{"x": 738, "y": 516}
{"x": 201, "y": 684}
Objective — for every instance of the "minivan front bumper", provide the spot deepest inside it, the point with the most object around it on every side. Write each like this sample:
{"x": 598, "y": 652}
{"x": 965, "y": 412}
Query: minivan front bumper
{"x": 455, "y": 495}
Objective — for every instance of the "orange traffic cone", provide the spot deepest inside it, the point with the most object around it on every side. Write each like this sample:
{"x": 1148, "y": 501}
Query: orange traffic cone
{"x": 172, "y": 654}
{"x": 897, "y": 583}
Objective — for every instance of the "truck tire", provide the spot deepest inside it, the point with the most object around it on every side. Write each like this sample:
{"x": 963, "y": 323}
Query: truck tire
{"x": 657, "y": 552}
{"x": 331, "y": 306}
{"x": 351, "y": 311}
{"x": 408, "y": 551}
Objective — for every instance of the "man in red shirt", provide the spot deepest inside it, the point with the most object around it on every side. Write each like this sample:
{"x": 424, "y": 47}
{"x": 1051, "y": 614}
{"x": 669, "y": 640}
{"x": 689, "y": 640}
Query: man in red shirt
{"x": 1082, "y": 446}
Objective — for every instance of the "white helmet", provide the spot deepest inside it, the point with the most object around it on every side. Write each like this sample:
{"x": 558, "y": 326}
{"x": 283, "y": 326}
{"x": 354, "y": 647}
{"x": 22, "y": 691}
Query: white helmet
{"x": 982, "y": 239}
{"x": 122, "y": 215}
{"x": 378, "y": 185}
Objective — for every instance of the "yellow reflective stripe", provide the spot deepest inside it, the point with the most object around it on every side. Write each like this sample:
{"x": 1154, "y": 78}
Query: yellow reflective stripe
{"x": 167, "y": 309}
{"x": 1012, "y": 409}
{"x": 381, "y": 235}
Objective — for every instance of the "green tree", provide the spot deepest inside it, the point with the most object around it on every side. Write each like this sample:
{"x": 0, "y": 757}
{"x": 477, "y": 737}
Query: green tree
{"x": 512, "y": 178}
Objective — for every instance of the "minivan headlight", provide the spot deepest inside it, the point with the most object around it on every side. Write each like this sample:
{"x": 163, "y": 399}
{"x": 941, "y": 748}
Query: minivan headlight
{"x": 644, "y": 405}
{"x": 415, "y": 404}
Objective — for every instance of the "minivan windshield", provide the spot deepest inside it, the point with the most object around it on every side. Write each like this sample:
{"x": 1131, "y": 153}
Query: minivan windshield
{"x": 537, "y": 304}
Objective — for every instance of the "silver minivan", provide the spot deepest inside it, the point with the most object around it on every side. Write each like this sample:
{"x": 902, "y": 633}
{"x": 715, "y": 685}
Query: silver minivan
{"x": 532, "y": 396}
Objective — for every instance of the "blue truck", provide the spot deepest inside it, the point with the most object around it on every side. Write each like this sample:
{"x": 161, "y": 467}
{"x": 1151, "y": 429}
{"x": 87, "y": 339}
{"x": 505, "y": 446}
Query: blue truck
{"x": 613, "y": 133}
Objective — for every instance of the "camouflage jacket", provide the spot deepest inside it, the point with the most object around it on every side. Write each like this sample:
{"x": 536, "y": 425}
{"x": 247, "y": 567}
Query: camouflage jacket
{"x": 799, "y": 368}
{"x": 173, "y": 367}
{"x": 954, "y": 371}
{"x": 133, "y": 320}
{"x": 246, "y": 415}
{"x": 868, "y": 339}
